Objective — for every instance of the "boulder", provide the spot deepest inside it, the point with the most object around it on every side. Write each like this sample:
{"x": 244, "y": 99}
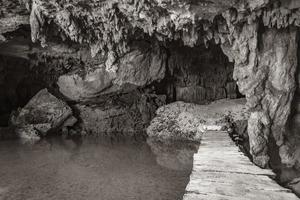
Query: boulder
{"x": 187, "y": 121}
{"x": 127, "y": 116}
{"x": 143, "y": 65}
{"x": 77, "y": 87}
{"x": 42, "y": 114}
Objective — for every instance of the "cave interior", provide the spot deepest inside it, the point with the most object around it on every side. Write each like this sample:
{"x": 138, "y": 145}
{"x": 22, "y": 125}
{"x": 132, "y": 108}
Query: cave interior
{"x": 116, "y": 71}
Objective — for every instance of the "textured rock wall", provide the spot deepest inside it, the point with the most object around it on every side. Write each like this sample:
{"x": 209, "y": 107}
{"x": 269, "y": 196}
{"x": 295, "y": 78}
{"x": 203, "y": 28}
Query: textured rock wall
{"x": 126, "y": 115}
{"x": 13, "y": 14}
{"x": 294, "y": 121}
{"x": 259, "y": 36}
{"x": 16, "y": 85}
{"x": 265, "y": 70}
{"x": 141, "y": 66}
{"x": 201, "y": 75}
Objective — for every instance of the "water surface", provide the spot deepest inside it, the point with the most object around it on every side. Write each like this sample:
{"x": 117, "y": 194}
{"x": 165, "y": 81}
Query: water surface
{"x": 92, "y": 169}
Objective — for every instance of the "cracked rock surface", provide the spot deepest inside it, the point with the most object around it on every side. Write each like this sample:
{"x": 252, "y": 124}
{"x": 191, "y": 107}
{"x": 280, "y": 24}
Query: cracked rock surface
{"x": 259, "y": 36}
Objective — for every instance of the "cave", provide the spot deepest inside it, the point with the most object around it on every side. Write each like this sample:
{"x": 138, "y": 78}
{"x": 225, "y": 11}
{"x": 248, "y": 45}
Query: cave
{"x": 152, "y": 99}
{"x": 198, "y": 74}
{"x": 18, "y": 85}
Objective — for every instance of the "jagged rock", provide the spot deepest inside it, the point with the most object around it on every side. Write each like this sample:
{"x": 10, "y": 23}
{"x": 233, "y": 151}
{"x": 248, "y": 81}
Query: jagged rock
{"x": 28, "y": 133}
{"x": 259, "y": 36}
{"x": 127, "y": 117}
{"x": 186, "y": 121}
{"x": 16, "y": 87}
{"x": 76, "y": 87}
{"x": 43, "y": 113}
{"x": 140, "y": 67}
{"x": 12, "y": 15}
{"x": 144, "y": 65}
{"x": 266, "y": 76}
{"x": 200, "y": 79}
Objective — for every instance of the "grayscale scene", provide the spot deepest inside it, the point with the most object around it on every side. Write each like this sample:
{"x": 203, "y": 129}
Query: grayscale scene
{"x": 149, "y": 99}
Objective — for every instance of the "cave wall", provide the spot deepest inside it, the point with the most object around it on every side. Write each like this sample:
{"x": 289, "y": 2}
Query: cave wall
{"x": 17, "y": 86}
{"x": 293, "y": 136}
{"x": 265, "y": 68}
{"x": 201, "y": 75}
{"x": 258, "y": 36}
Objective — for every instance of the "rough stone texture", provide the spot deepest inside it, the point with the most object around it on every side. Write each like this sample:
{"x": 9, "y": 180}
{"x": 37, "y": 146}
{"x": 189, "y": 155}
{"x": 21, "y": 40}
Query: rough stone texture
{"x": 265, "y": 74}
{"x": 201, "y": 74}
{"x": 43, "y": 113}
{"x": 128, "y": 115}
{"x": 143, "y": 65}
{"x": 17, "y": 86}
{"x": 186, "y": 121}
{"x": 109, "y": 24}
{"x": 13, "y": 14}
{"x": 259, "y": 36}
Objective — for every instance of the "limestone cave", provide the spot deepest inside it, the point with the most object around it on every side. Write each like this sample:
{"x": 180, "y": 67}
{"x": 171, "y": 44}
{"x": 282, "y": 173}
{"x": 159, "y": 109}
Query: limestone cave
{"x": 149, "y": 99}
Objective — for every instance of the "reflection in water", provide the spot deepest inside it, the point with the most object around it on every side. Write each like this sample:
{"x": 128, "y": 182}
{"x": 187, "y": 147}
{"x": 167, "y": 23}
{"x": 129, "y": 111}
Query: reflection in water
{"x": 174, "y": 155}
{"x": 92, "y": 169}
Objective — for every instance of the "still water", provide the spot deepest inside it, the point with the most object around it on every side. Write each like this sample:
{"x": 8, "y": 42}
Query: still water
{"x": 94, "y": 169}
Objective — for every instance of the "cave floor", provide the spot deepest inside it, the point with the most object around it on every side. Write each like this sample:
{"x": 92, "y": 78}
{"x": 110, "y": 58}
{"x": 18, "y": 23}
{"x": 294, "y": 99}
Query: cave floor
{"x": 221, "y": 171}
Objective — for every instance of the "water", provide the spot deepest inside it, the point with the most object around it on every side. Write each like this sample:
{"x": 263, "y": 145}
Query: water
{"x": 58, "y": 169}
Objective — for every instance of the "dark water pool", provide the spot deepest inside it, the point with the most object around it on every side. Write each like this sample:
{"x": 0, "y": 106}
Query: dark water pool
{"x": 92, "y": 169}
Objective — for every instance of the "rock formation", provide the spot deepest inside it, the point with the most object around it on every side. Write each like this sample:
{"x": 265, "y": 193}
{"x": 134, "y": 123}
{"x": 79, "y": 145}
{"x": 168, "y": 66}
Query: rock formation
{"x": 101, "y": 50}
{"x": 187, "y": 122}
{"x": 42, "y": 114}
{"x": 129, "y": 115}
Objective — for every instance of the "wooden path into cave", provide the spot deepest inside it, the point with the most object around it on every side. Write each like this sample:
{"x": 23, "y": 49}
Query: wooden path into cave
{"x": 221, "y": 172}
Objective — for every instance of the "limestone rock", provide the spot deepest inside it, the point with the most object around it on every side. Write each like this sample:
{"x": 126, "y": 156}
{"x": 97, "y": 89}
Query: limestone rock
{"x": 109, "y": 25}
{"x": 142, "y": 66}
{"x": 28, "y": 133}
{"x": 201, "y": 79}
{"x": 259, "y": 36}
{"x": 266, "y": 75}
{"x": 42, "y": 114}
{"x": 107, "y": 122}
{"x": 12, "y": 16}
{"x": 75, "y": 87}
{"x": 186, "y": 121}
{"x": 129, "y": 117}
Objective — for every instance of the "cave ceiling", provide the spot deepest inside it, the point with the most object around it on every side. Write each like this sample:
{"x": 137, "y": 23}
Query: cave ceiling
{"x": 109, "y": 26}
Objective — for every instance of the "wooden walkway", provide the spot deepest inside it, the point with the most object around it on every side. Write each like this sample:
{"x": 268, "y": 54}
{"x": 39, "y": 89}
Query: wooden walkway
{"x": 221, "y": 172}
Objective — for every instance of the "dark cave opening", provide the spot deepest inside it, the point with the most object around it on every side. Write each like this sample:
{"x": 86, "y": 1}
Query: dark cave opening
{"x": 17, "y": 85}
{"x": 197, "y": 75}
